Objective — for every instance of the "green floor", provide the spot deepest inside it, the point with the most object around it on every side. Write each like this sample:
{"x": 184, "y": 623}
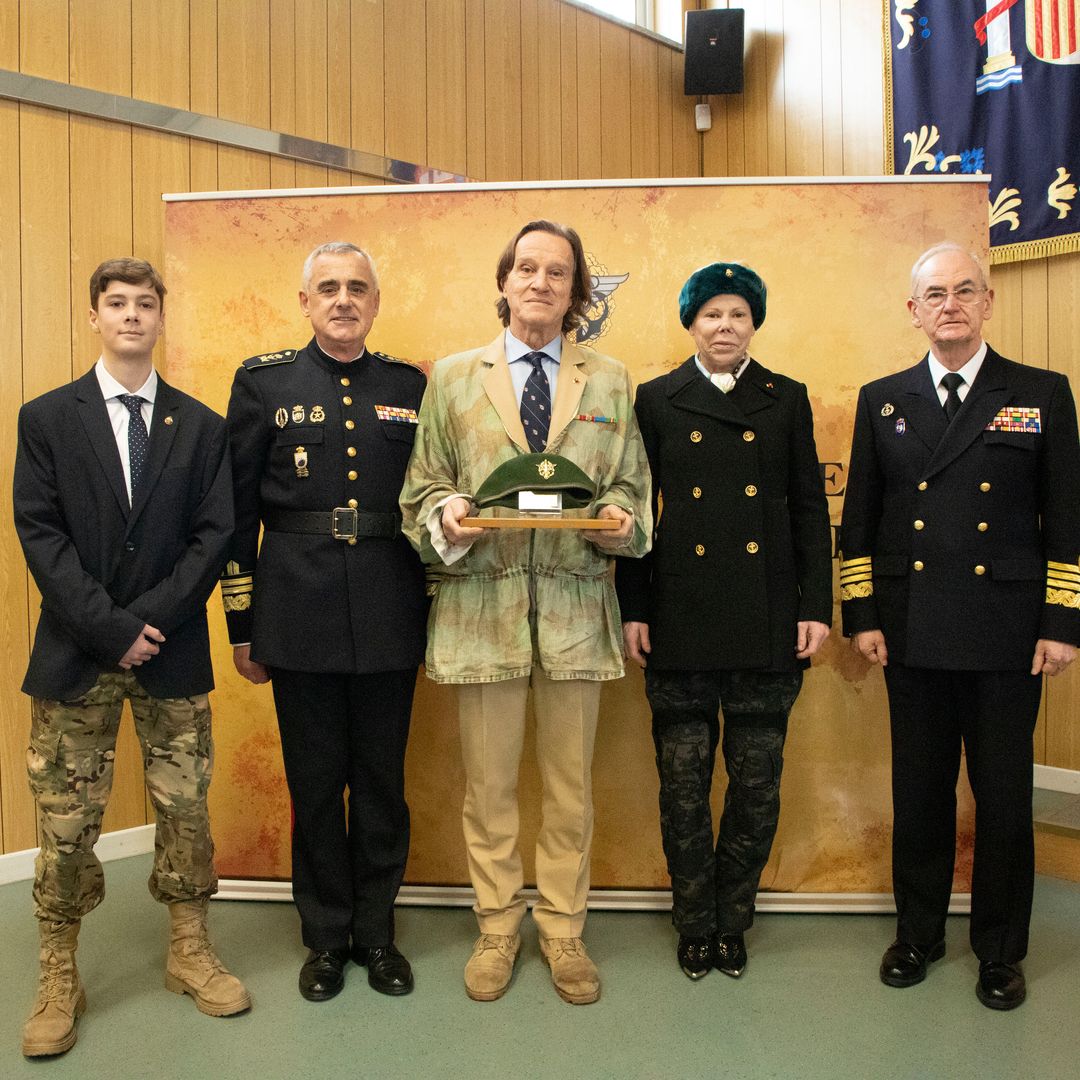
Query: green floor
{"x": 809, "y": 1004}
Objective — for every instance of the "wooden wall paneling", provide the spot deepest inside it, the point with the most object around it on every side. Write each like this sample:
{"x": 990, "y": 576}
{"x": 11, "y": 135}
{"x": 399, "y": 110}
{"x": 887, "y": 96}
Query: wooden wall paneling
{"x": 664, "y": 94}
{"x": 772, "y": 116}
{"x": 1006, "y": 327}
{"x": 405, "y": 77}
{"x": 43, "y": 38}
{"x": 862, "y": 88}
{"x": 203, "y": 88}
{"x": 589, "y": 115}
{"x": 551, "y": 92}
{"x": 644, "y": 106}
{"x": 753, "y": 104}
{"x": 1034, "y": 344}
{"x": 803, "y": 68}
{"x": 832, "y": 88}
{"x": 283, "y": 76}
{"x": 17, "y": 827}
{"x": 570, "y": 112}
{"x": 447, "y": 92}
{"x": 715, "y": 143}
{"x": 685, "y": 140}
{"x": 243, "y": 52}
{"x": 613, "y": 119}
{"x": 100, "y": 45}
{"x": 161, "y": 52}
{"x": 537, "y": 95}
{"x": 367, "y": 121}
{"x": 339, "y": 84}
{"x": 502, "y": 89}
{"x": 9, "y": 34}
{"x": 475, "y": 89}
{"x": 313, "y": 82}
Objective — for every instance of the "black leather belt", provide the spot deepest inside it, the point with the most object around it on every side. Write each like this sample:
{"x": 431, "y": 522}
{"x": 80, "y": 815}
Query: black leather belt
{"x": 342, "y": 523}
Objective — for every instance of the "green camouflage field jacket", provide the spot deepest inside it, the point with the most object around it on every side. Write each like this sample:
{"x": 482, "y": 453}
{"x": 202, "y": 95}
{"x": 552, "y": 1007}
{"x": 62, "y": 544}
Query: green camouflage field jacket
{"x": 524, "y": 595}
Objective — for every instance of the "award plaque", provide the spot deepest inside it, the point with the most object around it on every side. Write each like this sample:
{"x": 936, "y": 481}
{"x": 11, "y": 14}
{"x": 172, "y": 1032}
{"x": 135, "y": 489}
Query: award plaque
{"x": 539, "y": 487}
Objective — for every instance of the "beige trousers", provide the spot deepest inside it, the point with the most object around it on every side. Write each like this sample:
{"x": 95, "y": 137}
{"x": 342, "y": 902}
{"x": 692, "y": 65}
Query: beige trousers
{"x": 492, "y": 720}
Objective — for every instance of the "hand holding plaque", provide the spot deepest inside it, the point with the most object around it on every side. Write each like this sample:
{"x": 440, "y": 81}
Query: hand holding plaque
{"x": 540, "y": 487}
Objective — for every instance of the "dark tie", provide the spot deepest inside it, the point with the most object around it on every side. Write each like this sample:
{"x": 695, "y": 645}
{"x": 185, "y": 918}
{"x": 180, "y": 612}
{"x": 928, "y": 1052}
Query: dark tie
{"x": 138, "y": 440}
{"x": 952, "y": 381}
{"x": 536, "y": 403}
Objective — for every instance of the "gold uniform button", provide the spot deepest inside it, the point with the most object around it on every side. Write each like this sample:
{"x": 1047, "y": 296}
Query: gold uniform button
{"x": 982, "y": 526}
{"x": 922, "y": 485}
{"x": 984, "y": 486}
{"x": 695, "y": 436}
{"x": 352, "y": 540}
{"x": 918, "y": 564}
{"x": 352, "y": 474}
{"x": 919, "y": 525}
{"x": 700, "y": 549}
{"x": 346, "y": 400}
{"x": 350, "y": 424}
{"x": 980, "y": 570}
{"x": 353, "y": 503}
{"x": 752, "y": 547}
{"x": 351, "y": 451}
{"x": 748, "y": 436}
{"x": 750, "y": 490}
{"x": 696, "y": 493}
{"x": 344, "y": 380}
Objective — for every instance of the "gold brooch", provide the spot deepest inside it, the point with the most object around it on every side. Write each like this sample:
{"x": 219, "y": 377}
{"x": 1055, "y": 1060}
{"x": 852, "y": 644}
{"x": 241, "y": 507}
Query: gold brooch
{"x": 298, "y": 414}
{"x": 888, "y": 409}
{"x": 281, "y": 418}
{"x": 318, "y": 415}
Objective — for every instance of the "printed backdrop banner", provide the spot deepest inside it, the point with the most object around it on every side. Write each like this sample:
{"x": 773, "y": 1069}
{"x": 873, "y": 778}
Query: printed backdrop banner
{"x": 836, "y": 257}
{"x": 992, "y": 87}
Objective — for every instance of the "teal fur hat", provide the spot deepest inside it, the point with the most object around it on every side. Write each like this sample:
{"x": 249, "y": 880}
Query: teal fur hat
{"x": 536, "y": 472}
{"x": 722, "y": 277}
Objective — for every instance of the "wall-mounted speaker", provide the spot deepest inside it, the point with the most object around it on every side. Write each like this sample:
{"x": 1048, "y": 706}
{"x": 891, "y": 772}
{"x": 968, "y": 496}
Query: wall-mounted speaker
{"x": 714, "y": 52}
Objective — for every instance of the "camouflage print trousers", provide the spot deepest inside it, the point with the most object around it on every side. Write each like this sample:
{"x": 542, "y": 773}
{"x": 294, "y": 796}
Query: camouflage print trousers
{"x": 70, "y": 765}
{"x": 713, "y": 888}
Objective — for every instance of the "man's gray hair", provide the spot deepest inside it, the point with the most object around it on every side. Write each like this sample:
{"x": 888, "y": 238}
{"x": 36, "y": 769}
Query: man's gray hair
{"x": 940, "y": 249}
{"x": 335, "y": 247}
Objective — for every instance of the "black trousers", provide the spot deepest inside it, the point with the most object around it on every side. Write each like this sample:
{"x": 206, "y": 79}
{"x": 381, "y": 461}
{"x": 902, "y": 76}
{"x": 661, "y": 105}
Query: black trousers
{"x": 343, "y": 732}
{"x": 714, "y": 885}
{"x": 992, "y": 715}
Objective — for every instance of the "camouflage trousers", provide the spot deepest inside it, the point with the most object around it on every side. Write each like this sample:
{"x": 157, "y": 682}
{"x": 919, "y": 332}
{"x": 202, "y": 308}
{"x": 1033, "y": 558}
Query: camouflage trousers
{"x": 713, "y": 887}
{"x": 70, "y": 766}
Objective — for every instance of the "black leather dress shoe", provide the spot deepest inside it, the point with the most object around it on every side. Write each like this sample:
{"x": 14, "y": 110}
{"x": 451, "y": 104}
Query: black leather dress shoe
{"x": 1000, "y": 986}
{"x": 323, "y": 974}
{"x": 730, "y": 953}
{"x": 695, "y": 956}
{"x": 905, "y": 965}
{"x": 387, "y": 970}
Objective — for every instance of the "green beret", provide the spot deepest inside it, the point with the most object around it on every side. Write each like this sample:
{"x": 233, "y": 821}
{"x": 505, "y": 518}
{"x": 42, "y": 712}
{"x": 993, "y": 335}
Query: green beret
{"x": 717, "y": 278}
{"x": 536, "y": 472}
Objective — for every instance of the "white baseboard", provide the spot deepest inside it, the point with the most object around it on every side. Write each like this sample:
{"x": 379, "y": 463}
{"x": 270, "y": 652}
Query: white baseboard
{"x": 1051, "y": 778}
{"x": 19, "y": 865}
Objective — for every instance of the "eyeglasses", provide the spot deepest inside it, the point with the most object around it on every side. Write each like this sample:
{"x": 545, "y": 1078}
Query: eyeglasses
{"x": 935, "y": 298}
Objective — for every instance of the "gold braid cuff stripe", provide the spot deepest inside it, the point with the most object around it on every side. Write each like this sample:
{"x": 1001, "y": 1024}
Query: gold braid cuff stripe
{"x": 237, "y": 603}
{"x": 855, "y": 592}
{"x": 1063, "y": 598}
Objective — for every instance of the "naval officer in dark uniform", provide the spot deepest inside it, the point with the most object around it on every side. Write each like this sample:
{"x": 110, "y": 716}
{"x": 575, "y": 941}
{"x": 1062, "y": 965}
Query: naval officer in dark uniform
{"x": 331, "y": 608}
{"x": 959, "y": 572}
{"x": 729, "y": 606}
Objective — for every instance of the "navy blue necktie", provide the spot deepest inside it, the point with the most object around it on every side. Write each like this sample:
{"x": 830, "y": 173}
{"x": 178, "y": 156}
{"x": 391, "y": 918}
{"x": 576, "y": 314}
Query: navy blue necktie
{"x": 138, "y": 440}
{"x": 952, "y": 383}
{"x": 536, "y": 403}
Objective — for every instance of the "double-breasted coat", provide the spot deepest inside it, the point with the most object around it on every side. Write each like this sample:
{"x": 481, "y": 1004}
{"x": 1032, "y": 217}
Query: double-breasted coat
{"x": 742, "y": 548}
{"x": 959, "y": 541}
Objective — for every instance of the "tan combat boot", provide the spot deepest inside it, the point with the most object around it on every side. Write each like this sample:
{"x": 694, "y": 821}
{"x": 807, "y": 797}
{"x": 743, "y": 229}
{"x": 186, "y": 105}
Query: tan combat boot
{"x": 491, "y": 966}
{"x": 575, "y": 976}
{"x": 193, "y": 967}
{"x": 50, "y": 1027}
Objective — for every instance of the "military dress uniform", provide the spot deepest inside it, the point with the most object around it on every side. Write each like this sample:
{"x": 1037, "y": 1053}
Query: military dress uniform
{"x": 741, "y": 555}
{"x": 959, "y": 543}
{"x": 333, "y": 604}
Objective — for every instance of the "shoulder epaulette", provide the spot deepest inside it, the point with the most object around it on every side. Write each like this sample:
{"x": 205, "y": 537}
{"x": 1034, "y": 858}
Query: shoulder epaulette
{"x": 270, "y": 359}
{"x": 398, "y": 360}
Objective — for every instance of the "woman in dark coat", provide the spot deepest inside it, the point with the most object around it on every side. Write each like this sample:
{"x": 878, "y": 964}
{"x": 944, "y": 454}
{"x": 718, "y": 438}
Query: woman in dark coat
{"x": 730, "y": 605}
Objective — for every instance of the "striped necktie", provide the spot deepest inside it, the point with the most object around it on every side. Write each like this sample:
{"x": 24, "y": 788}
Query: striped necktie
{"x": 536, "y": 403}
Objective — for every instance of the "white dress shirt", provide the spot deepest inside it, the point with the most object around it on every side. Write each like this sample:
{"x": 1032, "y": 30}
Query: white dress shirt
{"x": 938, "y": 371}
{"x": 119, "y": 417}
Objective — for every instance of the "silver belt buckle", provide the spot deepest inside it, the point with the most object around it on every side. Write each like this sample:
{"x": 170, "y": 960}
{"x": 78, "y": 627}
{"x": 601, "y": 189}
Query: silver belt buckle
{"x": 343, "y": 523}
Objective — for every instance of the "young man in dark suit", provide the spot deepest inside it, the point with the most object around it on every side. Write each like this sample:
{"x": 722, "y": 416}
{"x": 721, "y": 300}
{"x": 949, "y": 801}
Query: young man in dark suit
{"x": 959, "y": 576}
{"x": 123, "y": 505}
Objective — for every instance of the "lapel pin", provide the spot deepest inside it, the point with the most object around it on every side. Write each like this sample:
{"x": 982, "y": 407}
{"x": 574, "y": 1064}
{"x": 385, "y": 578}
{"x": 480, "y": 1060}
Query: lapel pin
{"x": 168, "y": 421}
